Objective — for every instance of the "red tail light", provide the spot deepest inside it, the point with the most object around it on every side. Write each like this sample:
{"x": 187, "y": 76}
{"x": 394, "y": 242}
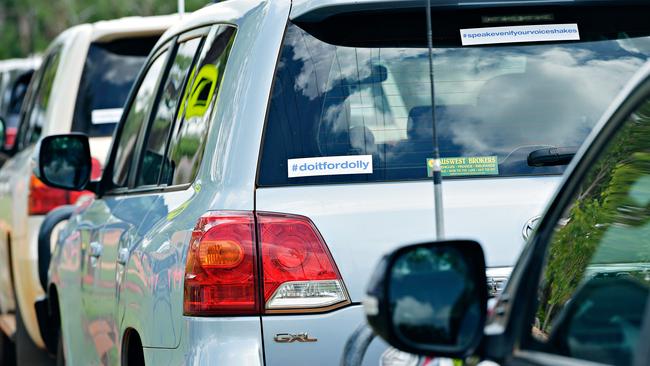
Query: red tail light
{"x": 42, "y": 198}
{"x": 297, "y": 271}
{"x": 221, "y": 266}
{"x": 10, "y": 137}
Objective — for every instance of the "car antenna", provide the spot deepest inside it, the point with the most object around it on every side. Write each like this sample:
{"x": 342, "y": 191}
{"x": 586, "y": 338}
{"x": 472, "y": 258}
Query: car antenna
{"x": 181, "y": 7}
{"x": 436, "y": 168}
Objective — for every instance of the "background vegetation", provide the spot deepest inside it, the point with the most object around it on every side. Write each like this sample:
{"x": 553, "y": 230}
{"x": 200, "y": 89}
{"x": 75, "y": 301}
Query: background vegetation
{"x": 27, "y": 26}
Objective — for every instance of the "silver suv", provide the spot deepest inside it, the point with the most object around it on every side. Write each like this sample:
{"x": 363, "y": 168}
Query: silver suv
{"x": 272, "y": 151}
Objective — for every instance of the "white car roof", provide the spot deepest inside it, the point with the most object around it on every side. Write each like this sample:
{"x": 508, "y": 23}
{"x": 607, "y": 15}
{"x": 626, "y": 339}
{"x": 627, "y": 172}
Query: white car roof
{"x": 20, "y": 63}
{"x": 107, "y": 30}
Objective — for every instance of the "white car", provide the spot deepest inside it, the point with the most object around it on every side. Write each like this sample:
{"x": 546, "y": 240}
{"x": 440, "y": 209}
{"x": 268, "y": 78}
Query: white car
{"x": 86, "y": 76}
{"x": 15, "y": 75}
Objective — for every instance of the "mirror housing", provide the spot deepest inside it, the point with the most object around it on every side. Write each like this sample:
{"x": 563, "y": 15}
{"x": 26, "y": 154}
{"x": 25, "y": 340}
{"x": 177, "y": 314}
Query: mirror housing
{"x": 3, "y": 133}
{"x": 63, "y": 161}
{"x": 430, "y": 299}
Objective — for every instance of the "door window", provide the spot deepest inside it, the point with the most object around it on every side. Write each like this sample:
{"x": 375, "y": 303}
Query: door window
{"x": 40, "y": 101}
{"x": 596, "y": 278}
{"x": 137, "y": 114}
{"x": 166, "y": 111}
{"x": 190, "y": 134}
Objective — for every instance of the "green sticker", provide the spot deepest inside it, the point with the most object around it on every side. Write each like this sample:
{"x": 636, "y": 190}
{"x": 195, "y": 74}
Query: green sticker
{"x": 475, "y": 165}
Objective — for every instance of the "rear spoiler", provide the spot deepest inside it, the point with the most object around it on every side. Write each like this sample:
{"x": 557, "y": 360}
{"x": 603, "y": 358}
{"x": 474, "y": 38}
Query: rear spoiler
{"x": 317, "y": 10}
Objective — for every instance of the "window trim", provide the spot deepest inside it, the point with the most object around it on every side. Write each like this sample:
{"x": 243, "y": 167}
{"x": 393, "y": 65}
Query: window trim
{"x": 35, "y": 86}
{"x": 525, "y": 303}
{"x": 107, "y": 187}
{"x": 199, "y": 33}
{"x": 143, "y": 137}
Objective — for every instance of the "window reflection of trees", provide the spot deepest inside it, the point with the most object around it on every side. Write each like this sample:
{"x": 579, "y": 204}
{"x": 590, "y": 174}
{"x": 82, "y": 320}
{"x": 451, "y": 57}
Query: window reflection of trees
{"x": 607, "y": 226}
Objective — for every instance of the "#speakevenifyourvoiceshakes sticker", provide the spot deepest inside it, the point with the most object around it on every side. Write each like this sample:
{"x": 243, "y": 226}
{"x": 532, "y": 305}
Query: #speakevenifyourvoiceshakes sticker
{"x": 462, "y": 166}
{"x": 519, "y": 34}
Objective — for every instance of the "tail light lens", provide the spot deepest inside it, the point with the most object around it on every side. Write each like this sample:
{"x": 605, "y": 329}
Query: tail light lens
{"x": 297, "y": 272}
{"x": 42, "y": 198}
{"x": 221, "y": 266}
{"x": 10, "y": 137}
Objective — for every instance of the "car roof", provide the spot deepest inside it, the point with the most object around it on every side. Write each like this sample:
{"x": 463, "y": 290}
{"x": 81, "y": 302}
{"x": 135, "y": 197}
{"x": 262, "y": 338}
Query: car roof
{"x": 30, "y": 63}
{"x": 107, "y": 30}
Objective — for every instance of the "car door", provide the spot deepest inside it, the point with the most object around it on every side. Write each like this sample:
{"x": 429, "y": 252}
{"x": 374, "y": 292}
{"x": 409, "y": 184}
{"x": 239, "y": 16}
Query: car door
{"x": 126, "y": 212}
{"x": 171, "y": 156}
{"x": 14, "y": 179}
{"x": 590, "y": 301}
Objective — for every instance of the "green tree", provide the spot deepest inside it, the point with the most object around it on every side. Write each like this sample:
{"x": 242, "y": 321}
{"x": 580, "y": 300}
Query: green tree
{"x": 28, "y": 26}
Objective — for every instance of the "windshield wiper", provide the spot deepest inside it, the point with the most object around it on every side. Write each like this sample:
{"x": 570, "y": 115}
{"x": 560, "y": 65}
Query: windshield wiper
{"x": 551, "y": 156}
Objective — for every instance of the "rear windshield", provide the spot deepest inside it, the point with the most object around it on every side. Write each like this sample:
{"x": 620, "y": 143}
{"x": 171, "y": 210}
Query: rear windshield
{"x": 110, "y": 70}
{"x": 354, "y": 90}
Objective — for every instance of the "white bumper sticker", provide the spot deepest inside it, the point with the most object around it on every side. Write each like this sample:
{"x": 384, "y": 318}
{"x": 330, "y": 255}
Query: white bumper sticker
{"x": 517, "y": 34}
{"x": 101, "y": 116}
{"x": 330, "y": 165}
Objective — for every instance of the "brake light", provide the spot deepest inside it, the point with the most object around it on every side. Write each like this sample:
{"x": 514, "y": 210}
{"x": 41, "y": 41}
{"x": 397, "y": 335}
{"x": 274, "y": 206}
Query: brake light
{"x": 42, "y": 198}
{"x": 297, "y": 272}
{"x": 10, "y": 137}
{"x": 221, "y": 266}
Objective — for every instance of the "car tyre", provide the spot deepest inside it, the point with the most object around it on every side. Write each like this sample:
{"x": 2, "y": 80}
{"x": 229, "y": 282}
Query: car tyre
{"x": 60, "y": 355}
{"x": 7, "y": 351}
{"x": 27, "y": 353}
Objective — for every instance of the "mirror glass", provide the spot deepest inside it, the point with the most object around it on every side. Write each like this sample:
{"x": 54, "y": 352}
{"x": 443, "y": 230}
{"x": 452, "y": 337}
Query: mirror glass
{"x": 3, "y": 132}
{"x": 433, "y": 297}
{"x": 65, "y": 161}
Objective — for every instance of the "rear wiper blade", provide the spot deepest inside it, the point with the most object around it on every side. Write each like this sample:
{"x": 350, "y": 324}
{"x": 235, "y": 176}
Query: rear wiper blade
{"x": 551, "y": 156}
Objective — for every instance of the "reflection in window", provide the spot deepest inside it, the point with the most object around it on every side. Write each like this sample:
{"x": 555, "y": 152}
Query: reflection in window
{"x": 34, "y": 120}
{"x": 189, "y": 136}
{"x": 597, "y": 278}
{"x": 501, "y": 101}
{"x": 158, "y": 134}
{"x": 137, "y": 115}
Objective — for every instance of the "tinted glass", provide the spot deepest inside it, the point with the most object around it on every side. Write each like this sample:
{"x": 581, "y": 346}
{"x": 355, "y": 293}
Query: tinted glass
{"x": 190, "y": 134}
{"x": 30, "y": 130}
{"x": 596, "y": 280}
{"x": 137, "y": 114}
{"x": 17, "y": 93}
{"x": 360, "y": 86}
{"x": 166, "y": 112}
{"x": 109, "y": 73}
{"x": 446, "y": 316}
{"x": 64, "y": 161}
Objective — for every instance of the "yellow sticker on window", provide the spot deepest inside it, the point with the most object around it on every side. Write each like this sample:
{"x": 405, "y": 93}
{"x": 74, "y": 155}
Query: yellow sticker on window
{"x": 464, "y": 166}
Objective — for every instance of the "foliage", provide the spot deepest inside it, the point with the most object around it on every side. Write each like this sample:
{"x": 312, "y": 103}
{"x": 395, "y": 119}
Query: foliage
{"x": 603, "y": 223}
{"x": 27, "y": 26}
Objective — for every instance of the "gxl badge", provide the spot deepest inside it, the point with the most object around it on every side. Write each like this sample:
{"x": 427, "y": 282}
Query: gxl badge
{"x": 290, "y": 338}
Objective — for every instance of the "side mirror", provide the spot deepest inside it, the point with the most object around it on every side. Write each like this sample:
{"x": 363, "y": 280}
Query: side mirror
{"x": 3, "y": 133}
{"x": 430, "y": 299}
{"x": 63, "y": 161}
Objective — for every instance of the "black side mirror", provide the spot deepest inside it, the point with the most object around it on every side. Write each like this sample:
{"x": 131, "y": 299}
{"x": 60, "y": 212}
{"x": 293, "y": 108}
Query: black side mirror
{"x": 3, "y": 133}
{"x": 430, "y": 299}
{"x": 63, "y": 161}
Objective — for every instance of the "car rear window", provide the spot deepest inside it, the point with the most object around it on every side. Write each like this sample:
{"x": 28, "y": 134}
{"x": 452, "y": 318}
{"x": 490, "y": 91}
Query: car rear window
{"x": 357, "y": 86}
{"x": 109, "y": 72}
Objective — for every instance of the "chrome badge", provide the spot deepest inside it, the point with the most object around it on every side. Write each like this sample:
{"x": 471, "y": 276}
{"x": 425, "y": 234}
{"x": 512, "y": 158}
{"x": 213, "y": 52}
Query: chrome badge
{"x": 530, "y": 226}
{"x": 290, "y": 338}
